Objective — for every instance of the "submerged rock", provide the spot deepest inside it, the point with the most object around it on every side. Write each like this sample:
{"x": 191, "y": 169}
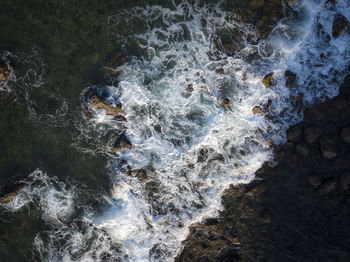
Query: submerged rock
{"x": 294, "y": 133}
{"x": 290, "y": 78}
{"x": 328, "y": 187}
{"x": 109, "y": 108}
{"x": 268, "y": 80}
{"x": 340, "y": 25}
{"x": 311, "y": 134}
{"x": 302, "y": 149}
{"x": 122, "y": 143}
{"x": 9, "y": 196}
{"x": 345, "y": 134}
{"x": 328, "y": 149}
{"x": 345, "y": 181}
{"x": 116, "y": 61}
{"x": 315, "y": 181}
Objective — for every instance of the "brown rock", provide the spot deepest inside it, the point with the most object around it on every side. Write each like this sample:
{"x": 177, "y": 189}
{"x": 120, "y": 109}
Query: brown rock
{"x": 294, "y": 133}
{"x": 121, "y": 143}
{"x": 220, "y": 71}
{"x": 340, "y": 25}
{"x": 224, "y": 102}
{"x": 189, "y": 89}
{"x": 290, "y": 78}
{"x": 106, "y": 106}
{"x": 302, "y": 149}
{"x": 315, "y": 181}
{"x": 141, "y": 175}
{"x": 258, "y": 110}
{"x": 328, "y": 149}
{"x": 345, "y": 134}
{"x": 4, "y": 73}
{"x": 268, "y": 80}
{"x": 311, "y": 134}
{"x": 8, "y": 197}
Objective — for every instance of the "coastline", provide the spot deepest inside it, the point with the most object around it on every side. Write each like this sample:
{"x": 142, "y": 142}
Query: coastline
{"x": 297, "y": 210}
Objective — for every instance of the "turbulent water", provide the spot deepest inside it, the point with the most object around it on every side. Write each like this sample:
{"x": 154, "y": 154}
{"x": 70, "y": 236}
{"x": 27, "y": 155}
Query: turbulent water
{"x": 191, "y": 146}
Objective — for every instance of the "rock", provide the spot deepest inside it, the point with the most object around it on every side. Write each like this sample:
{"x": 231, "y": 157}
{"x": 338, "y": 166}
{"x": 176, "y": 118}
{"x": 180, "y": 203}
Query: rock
{"x": 340, "y": 25}
{"x": 202, "y": 155}
{"x": 121, "y": 143}
{"x": 189, "y": 89}
{"x": 313, "y": 114}
{"x": 294, "y": 133}
{"x": 141, "y": 175}
{"x": 302, "y": 150}
{"x": 106, "y": 106}
{"x": 345, "y": 181}
{"x": 220, "y": 71}
{"x": 328, "y": 149}
{"x": 224, "y": 102}
{"x": 267, "y": 80}
{"x": 328, "y": 187}
{"x": 258, "y": 110}
{"x": 9, "y": 196}
{"x": 264, "y": 215}
{"x": 4, "y": 73}
{"x": 315, "y": 181}
{"x": 290, "y": 78}
{"x": 311, "y": 134}
{"x": 345, "y": 134}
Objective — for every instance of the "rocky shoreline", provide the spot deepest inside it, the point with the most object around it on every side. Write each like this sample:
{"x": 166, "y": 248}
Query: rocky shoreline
{"x": 297, "y": 210}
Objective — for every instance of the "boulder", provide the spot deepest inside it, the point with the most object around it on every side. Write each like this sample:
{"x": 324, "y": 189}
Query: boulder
{"x": 121, "y": 143}
{"x": 345, "y": 134}
{"x": 109, "y": 108}
{"x": 302, "y": 149}
{"x": 345, "y": 181}
{"x": 202, "y": 155}
{"x": 9, "y": 196}
{"x": 328, "y": 149}
{"x": 290, "y": 78}
{"x": 220, "y": 71}
{"x": 315, "y": 181}
{"x": 4, "y": 73}
{"x": 224, "y": 102}
{"x": 340, "y": 25}
{"x": 268, "y": 80}
{"x": 328, "y": 187}
{"x": 294, "y": 133}
{"x": 312, "y": 134}
{"x": 189, "y": 89}
{"x": 140, "y": 174}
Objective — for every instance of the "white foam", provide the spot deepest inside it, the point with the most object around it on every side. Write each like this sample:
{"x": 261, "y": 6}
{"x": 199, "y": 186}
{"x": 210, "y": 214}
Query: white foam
{"x": 168, "y": 129}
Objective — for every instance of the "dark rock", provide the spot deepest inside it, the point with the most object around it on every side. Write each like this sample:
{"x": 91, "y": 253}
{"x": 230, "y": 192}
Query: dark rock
{"x": 290, "y": 78}
{"x": 268, "y": 80}
{"x": 220, "y": 71}
{"x": 141, "y": 175}
{"x": 115, "y": 62}
{"x": 294, "y": 133}
{"x": 340, "y": 25}
{"x": 345, "y": 181}
{"x": 110, "y": 109}
{"x": 313, "y": 114}
{"x": 202, "y": 155}
{"x": 121, "y": 143}
{"x": 311, "y": 134}
{"x": 328, "y": 187}
{"x": 328, "y": 148}
{"x": 315, "y": 181}
{"x": 345, "y": 134}
{"x": 302, "y": 149}
{"x": 9, "y": 196}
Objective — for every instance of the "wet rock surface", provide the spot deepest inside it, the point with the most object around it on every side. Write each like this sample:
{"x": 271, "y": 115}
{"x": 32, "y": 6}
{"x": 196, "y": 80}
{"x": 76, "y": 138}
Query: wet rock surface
{"x": 4, "y": 73}
{"x": 296, "y": 211}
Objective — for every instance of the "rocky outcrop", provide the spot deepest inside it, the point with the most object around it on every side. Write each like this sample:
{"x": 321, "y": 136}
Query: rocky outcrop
{"x": 290, "y": 78}
{"x": 297, "y": 210}
{"x": 109, "y": 108}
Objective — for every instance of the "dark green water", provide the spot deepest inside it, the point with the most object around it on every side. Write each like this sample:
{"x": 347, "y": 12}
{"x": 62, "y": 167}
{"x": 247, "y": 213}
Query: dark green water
{"x": 68, "y": 42}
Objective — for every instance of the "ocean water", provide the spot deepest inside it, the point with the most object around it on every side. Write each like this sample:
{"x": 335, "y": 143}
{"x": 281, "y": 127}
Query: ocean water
{"x": 190, "y": 146}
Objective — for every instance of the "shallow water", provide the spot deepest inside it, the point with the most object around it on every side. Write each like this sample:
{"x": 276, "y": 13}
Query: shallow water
{"x": 191, "y": 147}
